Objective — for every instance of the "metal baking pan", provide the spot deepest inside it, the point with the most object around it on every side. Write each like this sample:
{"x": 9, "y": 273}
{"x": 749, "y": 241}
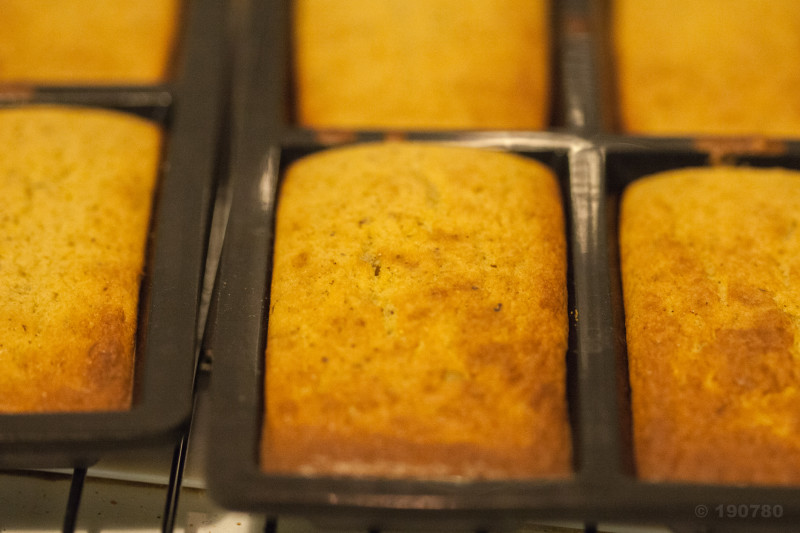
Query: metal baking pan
{"x": 604, "y": 486}
{"x": 594, "y": 163}
{"x": 188, "y": 108}
{"x": 684, "y": 506}
{"x": 237, "y": 351}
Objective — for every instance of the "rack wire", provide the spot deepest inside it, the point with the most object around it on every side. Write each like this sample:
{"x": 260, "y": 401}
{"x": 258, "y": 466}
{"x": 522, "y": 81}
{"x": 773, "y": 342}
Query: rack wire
{"x": 172, "y": 491}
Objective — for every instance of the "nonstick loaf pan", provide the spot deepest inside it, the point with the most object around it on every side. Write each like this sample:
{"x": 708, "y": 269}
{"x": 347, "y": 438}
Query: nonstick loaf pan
{"x": 604, "y": 485}
{"x": 684, "y": 505}
{"x": 594, "y": 163}
{"x": 188, "y": 109}
{"x": 237, "y": 346}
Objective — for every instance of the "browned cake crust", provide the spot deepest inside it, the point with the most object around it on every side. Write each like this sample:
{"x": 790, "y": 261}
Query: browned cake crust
{"x": 713, "y": 67}
{"x": 422, "y": 64}
{"x": 76, "y": 187}
{"x": 710, "y": 264}
{"x": 417, "y": 321}
{"x": 87, "y": 41}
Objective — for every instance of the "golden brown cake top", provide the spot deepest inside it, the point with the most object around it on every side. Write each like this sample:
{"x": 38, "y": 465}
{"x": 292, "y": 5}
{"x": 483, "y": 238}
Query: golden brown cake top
{"x": 716, "y": 67}
{"x": 418, "y": 316}
{"x": 76, "y": 187}
{"x": 87, "y": 41}
{"x": 422, "y": 64}
{"x": 710, "y": 263}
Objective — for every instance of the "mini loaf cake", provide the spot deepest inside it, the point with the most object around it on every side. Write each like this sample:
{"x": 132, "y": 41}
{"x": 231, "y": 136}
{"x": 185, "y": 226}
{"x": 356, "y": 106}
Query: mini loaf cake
{"x": 716, "y": 67}
{"x": 422, "y": 64}
{"x": 76, "y": 185}
{"x": 418, "y": 317}
{"x": 87, "y": 41}
{"x": 710, "y": 262}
